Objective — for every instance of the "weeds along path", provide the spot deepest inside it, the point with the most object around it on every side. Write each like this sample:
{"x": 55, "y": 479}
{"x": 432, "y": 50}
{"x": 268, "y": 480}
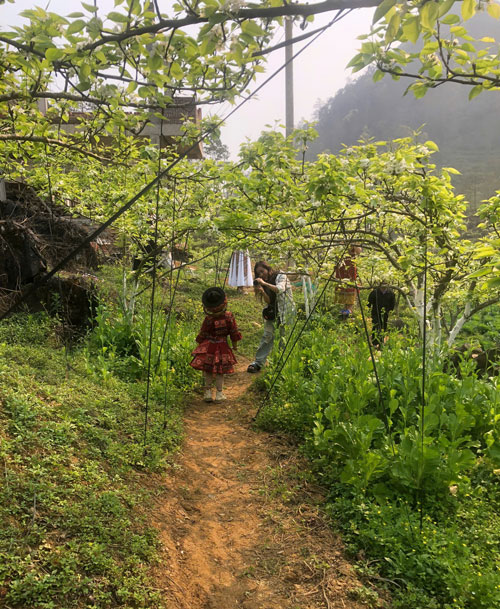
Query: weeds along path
{"x": 239, "y": 524}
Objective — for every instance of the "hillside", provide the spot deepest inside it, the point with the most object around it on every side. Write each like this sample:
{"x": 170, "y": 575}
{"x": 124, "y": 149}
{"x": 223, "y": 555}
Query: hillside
{"x": 467, "y": 132}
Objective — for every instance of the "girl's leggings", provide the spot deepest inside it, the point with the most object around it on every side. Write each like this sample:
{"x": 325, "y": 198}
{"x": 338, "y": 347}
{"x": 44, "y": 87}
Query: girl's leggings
{"x": 219, "y": 380}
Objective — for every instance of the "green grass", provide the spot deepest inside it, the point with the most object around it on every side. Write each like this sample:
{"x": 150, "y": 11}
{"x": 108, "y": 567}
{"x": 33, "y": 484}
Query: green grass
{"x": 70, "y": 445}
{"x": 74, "y": 453}
{"x": 74, "y": 531}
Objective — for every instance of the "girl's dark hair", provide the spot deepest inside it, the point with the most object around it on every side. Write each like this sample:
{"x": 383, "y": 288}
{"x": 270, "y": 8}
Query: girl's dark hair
{"x": 213, "y": 298}
{"x": 264, "y": 265}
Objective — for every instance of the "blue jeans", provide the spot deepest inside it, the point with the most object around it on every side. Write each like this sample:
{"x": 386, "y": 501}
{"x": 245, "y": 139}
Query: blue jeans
{"x": 267, "y": 342}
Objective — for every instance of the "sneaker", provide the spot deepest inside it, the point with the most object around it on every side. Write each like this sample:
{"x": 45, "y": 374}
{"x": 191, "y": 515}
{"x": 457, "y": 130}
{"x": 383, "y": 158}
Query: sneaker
{"x": 208, "y": 396}
{"x": 253, "y": 368}
{"x": 220, "y": 397}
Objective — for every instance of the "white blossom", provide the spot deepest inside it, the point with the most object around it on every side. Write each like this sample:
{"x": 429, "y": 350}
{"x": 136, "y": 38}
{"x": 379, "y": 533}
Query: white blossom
{"x": 233, "y": 6}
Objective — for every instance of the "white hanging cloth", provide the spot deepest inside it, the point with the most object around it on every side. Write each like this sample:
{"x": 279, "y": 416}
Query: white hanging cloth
{"x": 240, "y": 269}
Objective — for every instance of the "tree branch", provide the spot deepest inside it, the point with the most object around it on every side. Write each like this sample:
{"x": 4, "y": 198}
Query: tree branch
{"x": 470, "y": 79}
{"x": 243, "y": 14}
{"x": 52, "y": 142}
{"x": 22, "y": 47}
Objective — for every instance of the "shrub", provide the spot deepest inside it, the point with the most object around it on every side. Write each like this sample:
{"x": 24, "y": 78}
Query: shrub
{"x": 390, "y": 464}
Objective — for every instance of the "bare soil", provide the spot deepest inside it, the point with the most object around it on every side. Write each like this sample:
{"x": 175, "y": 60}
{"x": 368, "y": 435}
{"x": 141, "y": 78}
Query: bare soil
{"x": 239, "y": 521}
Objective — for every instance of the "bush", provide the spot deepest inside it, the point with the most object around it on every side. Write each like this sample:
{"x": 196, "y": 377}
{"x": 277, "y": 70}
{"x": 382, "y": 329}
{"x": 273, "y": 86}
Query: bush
{"x": 391, "y": 466}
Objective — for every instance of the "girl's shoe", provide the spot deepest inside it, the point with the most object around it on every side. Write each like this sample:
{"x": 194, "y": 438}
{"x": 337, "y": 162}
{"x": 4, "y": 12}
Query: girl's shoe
{"x": 208, "y": 396}
{"x": 220, "y": 397}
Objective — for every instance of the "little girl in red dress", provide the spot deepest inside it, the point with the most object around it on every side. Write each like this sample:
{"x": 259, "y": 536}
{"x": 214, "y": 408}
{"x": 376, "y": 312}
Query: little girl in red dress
{"x": 213, "y": 355}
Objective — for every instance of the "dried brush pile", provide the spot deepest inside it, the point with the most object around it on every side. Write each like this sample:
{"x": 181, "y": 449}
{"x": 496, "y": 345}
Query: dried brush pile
{"x": 34, "y": 236}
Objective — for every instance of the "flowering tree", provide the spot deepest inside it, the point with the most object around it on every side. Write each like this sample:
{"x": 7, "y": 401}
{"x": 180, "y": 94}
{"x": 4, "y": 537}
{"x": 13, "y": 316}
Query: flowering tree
{"x": 126, "y": 66}
{"x": 447, "y": 53}
{"x": 129, "y": 64}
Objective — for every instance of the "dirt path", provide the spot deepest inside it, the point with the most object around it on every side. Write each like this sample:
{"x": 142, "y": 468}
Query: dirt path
{"x": 239, "y": 525}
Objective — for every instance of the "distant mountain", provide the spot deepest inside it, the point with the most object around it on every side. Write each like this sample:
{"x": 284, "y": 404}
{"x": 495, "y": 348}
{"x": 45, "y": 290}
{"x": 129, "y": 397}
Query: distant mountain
{"x": 467, "y": 132}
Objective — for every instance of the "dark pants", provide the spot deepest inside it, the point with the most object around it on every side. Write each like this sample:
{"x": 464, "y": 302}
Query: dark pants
{"x": 379, "y": 325}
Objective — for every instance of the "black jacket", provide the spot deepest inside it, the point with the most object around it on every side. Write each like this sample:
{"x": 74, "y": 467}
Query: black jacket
{"x": 379, "y": 302}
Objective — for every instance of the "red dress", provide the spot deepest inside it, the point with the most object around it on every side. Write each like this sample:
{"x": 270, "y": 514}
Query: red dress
{"x": 346, "y": 295}
{"x": 213, "y": 354}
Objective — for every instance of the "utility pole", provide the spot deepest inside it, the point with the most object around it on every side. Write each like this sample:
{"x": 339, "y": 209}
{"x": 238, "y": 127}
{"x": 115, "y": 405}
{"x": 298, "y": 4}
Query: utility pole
{"x": 289, "y": 75}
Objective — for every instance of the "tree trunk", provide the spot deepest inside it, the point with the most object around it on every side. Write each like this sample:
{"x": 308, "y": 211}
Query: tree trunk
{"x": 459, "y": 324}
{"x": 436, "y": 328}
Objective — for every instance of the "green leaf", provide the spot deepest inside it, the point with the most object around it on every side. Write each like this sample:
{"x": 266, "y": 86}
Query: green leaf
{"x": 450, "y": 19}
{"x": 419, "y": 90}
{"x": 84, "y": 85}
{"x": 75, "y": 15}
{"x": 468, "y": 9}
{"x": 445, "y": 6}
{"x": 378, "y": 75}
{"x": 176, "y": 71}
{"x": 393, "y": 405}
{"x": 355, "y": 60}
{"x": 393, "y": 27}
{"x": 494, "y": 452}
{"x": 155, "y": 62}
{"x": 117, "y": 17}
{"x": 382, "y": 9}
{"x": 90, "y": 7}
{"x": 432, "y": 145}
{"x": 458, "y": 30}
{"x": 479, "y": 273}
{"x": 207, "y": 46}
{"x": 494, "y": 283}
{"x": 411, "y": 28}
{"x": 461, "y": 56}
{"x": 53, "y": 53}
{"x": 204, "y": 30}
{"x": 493, "y": 10}
{"x": 467, "y": 46}
{"x": 84, "y": 72}
{"x": 75, "y": 27}
{"x": 136, "y": 7}
{"x": 252, "y": 28}
{"x": 429, "y": 14}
